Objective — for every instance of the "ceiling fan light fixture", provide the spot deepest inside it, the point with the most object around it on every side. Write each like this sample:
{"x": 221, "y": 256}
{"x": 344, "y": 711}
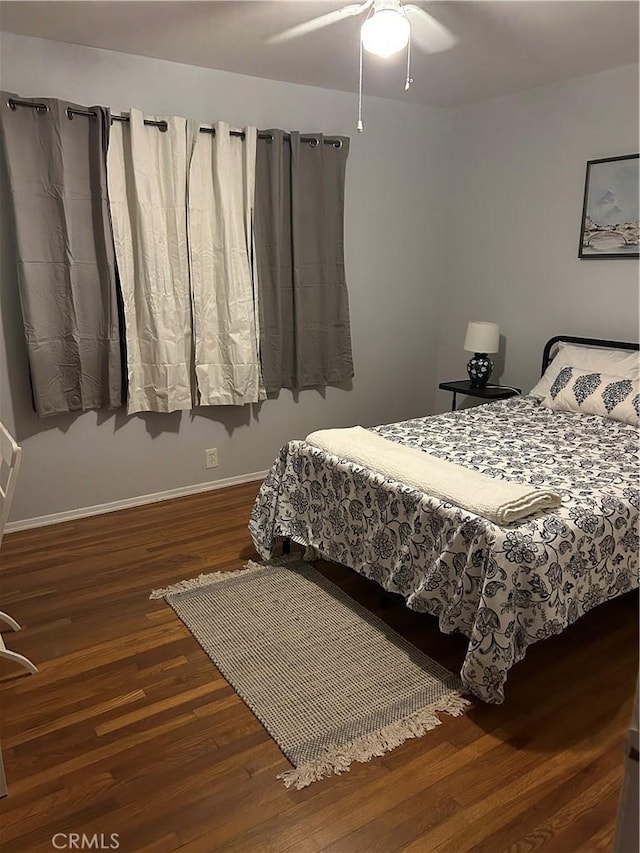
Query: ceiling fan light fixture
{"x": 386, "y": 32}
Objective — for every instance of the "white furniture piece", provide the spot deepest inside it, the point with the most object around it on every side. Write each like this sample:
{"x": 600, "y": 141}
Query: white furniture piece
{"x": 10, "y": 454}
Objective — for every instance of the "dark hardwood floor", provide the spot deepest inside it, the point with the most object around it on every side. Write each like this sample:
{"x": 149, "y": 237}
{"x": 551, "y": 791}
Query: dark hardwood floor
{"x": 128, "y": 728}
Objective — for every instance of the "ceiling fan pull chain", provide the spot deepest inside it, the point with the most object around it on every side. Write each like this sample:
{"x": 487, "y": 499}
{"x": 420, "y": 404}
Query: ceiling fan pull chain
{"x": 409, "y": 79}
{"x": 360, "y": 126}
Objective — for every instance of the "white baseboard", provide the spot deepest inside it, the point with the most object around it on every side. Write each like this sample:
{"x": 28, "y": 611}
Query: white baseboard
{"x": 140, "y": 500}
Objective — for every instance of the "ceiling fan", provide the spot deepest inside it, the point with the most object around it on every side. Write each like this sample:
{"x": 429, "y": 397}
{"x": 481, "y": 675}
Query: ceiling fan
{"x": 390, "y": 26}
{"x": 387, "y": 29}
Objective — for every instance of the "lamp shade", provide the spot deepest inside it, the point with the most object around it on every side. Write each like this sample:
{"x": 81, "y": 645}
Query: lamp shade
{"x": 482, "y": 337}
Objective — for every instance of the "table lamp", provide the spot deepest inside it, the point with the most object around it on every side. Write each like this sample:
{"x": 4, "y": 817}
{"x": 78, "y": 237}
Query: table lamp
{"x": 481, "y": 338}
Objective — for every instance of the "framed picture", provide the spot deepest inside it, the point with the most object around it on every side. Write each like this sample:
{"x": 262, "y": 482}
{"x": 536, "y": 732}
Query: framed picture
{"x": 610, "y": 219}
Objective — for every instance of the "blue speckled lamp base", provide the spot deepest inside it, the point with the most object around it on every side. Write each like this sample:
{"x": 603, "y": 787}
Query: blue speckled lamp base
{"x": 479, "y": 368}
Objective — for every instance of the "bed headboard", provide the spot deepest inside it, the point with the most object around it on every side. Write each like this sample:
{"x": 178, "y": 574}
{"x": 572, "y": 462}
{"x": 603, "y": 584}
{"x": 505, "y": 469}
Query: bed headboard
{"x": 592, "y": 342}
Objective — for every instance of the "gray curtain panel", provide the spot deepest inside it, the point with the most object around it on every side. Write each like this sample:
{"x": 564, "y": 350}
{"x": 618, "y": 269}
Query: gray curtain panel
{"x": 66, "y": 269}
{"x": 305, "y": 336}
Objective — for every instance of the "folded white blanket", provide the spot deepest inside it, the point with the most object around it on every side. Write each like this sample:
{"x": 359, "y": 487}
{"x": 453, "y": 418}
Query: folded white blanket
{"x": 500, "y": 501}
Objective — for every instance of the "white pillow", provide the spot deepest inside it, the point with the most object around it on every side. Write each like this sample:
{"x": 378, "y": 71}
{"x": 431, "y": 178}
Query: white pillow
{"x": 592, "y": 393}
{"x": 614, "y": 362}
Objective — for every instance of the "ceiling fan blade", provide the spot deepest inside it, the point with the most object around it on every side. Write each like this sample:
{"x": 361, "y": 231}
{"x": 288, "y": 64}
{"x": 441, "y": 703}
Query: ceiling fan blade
{"x": 427, "y": 33}
{"x": 320, "y": 22}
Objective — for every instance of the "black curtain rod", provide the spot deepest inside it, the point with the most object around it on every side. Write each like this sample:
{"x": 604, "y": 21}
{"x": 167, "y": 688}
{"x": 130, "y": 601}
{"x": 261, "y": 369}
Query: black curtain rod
{"x": 162, "y": 125}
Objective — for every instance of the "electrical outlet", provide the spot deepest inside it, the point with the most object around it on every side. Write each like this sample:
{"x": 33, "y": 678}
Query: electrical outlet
{"x": 211, "y": 457}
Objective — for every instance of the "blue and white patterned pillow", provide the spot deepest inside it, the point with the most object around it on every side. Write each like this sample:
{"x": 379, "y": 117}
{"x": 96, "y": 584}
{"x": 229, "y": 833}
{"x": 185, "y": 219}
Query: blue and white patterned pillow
{"x": 593, "y": 393}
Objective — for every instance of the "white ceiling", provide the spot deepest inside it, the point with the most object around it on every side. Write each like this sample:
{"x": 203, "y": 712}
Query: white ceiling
{"x": 503, "y": 46}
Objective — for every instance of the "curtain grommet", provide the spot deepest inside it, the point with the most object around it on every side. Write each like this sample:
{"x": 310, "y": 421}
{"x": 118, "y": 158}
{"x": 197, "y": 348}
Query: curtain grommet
{"x": 337, "y": 143}
{"x": 313, "y": 143}
{"x": 69, "y": 113}
{"x": 13, "y": 104}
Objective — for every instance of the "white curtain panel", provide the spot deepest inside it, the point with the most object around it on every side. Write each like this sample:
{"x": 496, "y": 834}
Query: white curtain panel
{"x": 147, "y": 174}
{"x": 220, "y": 209}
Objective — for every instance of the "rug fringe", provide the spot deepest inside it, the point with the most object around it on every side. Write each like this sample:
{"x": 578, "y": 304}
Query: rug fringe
{"x": 203, "y": 580}
{"x": 215, "y": 577}
{"x": 336, "y": 760}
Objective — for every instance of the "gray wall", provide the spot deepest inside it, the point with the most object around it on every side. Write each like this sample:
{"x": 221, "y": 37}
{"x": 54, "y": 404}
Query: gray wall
{"x": 513, "y": 223}
{"x": 451, "y": 216}
{"x": 394, "y": 259}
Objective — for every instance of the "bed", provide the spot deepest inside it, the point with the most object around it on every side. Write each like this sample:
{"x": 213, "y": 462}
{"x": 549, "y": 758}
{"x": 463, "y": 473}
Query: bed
{"x": 503, "y": 587}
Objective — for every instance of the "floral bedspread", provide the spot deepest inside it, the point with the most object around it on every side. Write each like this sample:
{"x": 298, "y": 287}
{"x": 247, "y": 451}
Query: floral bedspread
{"x": 503, "y": 587}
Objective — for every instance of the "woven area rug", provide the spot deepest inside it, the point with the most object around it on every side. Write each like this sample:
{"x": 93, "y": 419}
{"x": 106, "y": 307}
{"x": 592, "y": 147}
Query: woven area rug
{"x": 330, "y": 682}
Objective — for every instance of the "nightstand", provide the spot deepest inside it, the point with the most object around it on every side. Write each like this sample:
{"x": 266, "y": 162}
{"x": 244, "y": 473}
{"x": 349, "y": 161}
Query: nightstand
{"x": 490, "y": 392}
